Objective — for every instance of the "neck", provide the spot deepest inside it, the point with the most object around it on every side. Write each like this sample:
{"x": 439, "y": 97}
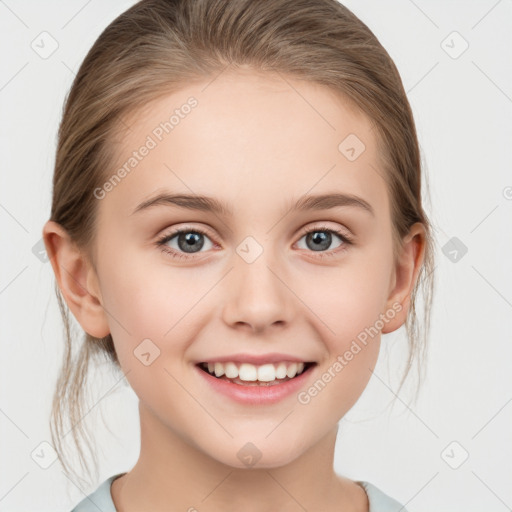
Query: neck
{"x": 171, "y": 474}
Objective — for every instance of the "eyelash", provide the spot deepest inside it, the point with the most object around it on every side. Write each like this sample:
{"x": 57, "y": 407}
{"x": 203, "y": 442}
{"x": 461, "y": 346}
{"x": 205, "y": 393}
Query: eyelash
{"x": 161, "y": 242}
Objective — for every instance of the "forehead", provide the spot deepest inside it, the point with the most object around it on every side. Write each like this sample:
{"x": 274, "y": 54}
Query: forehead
{"x": 250, "y": 140}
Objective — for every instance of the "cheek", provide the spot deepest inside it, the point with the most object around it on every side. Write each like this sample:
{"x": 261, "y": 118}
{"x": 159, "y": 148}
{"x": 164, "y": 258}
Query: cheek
{"x": 347, "y": 310}
{"x": 346, "y": 300}
{"x": 150, "y": 336}
{"x": 347, "y": 303}
{"x": 147, "y": 298}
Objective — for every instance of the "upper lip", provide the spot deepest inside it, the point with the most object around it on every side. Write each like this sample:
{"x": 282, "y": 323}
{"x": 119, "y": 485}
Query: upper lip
{"x": 256, "y": 359}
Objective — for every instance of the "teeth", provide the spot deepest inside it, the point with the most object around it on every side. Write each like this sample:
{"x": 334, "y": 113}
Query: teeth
{"x": 281, "y": 371}
{"x": 292, "y": 370}
{"x": 219, "y": 369}
{"x": 266, "y": 373}
{"x": 250, "y": 372}
{"x": 231, "y": 370}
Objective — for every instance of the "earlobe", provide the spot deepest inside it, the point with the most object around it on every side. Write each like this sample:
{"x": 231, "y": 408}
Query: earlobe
{"x": 77, "y": 280}
{"x": 405, "y": 276}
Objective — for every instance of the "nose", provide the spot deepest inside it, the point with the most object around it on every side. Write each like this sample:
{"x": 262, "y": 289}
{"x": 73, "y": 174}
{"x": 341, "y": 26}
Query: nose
{"x": 257, "y": 295}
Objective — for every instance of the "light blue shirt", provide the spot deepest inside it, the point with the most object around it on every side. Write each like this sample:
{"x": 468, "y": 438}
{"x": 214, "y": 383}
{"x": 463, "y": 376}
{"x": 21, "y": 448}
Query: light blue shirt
{"x": 101, "y": 499}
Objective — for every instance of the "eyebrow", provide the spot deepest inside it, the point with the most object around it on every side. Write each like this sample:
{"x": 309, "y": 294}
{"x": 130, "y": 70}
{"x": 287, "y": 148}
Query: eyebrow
{"x": 210, "y": 204}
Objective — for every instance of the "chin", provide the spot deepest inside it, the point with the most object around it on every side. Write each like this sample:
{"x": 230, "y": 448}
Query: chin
{"x": 257, "y": 455}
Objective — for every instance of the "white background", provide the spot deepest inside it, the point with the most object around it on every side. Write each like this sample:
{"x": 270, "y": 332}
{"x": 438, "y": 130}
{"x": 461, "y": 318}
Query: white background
{"x": 463, "y": 112}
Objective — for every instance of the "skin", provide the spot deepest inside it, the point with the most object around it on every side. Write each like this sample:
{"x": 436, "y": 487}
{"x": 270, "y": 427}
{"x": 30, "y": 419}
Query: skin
{"x": 255, "y": 143}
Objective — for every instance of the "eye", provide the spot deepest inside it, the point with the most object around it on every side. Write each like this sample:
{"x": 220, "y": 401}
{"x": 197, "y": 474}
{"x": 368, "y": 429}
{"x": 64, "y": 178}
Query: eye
{"x": 188, "y": 240}
{"x": 320, "y": 239}
{"x": 183, "y": 243}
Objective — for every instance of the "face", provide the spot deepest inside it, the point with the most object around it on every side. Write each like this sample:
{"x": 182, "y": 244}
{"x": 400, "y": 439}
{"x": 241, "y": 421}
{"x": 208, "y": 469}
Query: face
{"x": 247, "y": 280}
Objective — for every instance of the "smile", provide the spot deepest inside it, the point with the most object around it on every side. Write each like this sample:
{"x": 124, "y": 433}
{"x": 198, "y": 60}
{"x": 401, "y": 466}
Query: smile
{"x": 254, "y": 391}
{"x": 250, "y": 374}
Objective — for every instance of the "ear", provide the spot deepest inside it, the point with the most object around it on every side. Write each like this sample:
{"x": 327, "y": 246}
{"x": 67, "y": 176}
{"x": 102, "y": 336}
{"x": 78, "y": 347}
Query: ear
{"x": 77, "y": 280}
{"x": 405, "y": 275}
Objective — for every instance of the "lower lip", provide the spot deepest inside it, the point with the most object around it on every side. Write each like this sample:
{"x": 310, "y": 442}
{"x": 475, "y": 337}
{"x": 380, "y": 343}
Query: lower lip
{"x": 257, "y": 395}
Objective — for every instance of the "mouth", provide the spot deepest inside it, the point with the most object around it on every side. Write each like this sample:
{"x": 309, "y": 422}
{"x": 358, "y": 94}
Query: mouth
{"x": 246, "y": 374}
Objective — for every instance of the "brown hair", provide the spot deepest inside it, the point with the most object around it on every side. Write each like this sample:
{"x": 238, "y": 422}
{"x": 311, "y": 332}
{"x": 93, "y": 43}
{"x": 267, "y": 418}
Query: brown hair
{"x": 157, "y": 47}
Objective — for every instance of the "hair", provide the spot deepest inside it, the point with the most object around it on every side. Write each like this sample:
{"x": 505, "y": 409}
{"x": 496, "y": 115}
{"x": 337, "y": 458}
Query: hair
{"x": 157, "y": 47}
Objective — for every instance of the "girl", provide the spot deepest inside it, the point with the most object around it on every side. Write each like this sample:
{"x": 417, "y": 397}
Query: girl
{"x": 236, "y": 219}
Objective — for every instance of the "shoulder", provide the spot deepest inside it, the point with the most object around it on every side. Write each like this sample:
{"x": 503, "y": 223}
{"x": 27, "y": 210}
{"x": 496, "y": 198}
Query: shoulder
{"x": 100, "y": 499}
{"x": 380, "y": 502}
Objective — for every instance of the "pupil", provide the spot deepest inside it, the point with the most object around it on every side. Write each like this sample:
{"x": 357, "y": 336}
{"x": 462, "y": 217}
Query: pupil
{"x": 192, "y": 240}
{"x": 320, "y": 239}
